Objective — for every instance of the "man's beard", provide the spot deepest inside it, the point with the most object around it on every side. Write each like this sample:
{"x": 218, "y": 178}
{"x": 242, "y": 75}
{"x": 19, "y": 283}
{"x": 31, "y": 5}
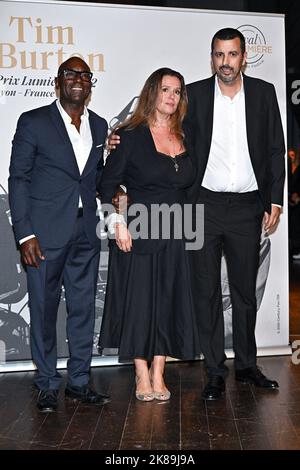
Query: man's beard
{"x": 227, "y": 78}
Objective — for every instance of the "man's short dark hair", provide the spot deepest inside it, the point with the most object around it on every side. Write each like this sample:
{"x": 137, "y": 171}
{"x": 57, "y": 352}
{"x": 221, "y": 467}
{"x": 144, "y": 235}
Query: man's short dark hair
{"x": 226, "y": 34}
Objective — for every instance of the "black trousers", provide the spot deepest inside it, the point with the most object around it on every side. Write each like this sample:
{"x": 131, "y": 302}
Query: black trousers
{"x": 232, "y": 224}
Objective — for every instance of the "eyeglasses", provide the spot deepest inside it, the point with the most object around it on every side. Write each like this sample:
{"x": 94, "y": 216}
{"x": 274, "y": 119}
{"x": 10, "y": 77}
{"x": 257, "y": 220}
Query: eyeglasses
{"x": 70, "y": 74}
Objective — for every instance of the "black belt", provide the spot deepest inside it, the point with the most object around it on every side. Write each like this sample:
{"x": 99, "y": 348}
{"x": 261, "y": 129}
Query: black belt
{"x": 80, "y": 212}
{"x": 228, "y": 196}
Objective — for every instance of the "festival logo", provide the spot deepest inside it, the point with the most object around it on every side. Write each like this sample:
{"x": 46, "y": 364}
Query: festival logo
{"x": 257, "y": 46}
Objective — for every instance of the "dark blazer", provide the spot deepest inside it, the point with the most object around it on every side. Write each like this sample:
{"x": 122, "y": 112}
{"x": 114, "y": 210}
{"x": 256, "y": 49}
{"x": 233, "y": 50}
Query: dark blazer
{"x": 45, "y": 182}
{"x": 150, "y": 178}
{"x": 264, "y": 133}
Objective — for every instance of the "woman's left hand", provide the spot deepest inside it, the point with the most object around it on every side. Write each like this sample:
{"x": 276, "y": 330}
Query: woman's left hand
{"x": 123, "y": 237}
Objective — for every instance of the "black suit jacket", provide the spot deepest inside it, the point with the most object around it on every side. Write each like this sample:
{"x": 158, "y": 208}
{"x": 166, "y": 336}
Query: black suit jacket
{"x": 45, "y": 182}
{"x": 264, "y": 134}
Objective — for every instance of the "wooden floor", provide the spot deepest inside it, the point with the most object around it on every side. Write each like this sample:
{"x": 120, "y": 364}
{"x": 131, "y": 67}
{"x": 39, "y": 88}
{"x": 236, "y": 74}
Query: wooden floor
{"x": 246, "y": 418}
{"x": 295, "y": 300}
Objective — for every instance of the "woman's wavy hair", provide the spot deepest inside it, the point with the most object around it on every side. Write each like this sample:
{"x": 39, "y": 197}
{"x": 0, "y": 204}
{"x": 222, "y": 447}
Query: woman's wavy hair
{"x": 144, "y": 113}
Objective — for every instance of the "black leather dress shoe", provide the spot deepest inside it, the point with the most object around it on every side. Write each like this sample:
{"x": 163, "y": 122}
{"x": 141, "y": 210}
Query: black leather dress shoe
{"x": 86, "y": 394}
{"x": 47, "y": 401}
{"x": 253, "y": 375}
{"x": 214, "y": 388}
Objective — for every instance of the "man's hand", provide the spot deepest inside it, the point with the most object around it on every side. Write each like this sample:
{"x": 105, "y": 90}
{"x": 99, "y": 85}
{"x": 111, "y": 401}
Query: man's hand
{"x": 31, "y": 252}
{"x": 113, "y": 141}
{"x": 295, "y": 198}
{"x": 123, "y": 237}
{"x": 270, "y": 220}
{"x": 120, "y": 201}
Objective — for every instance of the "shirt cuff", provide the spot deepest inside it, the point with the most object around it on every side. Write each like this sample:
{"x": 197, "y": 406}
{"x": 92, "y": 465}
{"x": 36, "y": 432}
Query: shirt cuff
{"x": 23, "y": 240}
{"x": 113, "y": 219}
{"x": 277, "y": 205}
{"x": 106, "y": 151}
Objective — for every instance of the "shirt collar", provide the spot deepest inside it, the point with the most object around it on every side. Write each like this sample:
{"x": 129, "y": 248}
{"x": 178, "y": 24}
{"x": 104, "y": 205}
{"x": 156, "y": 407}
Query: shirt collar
{"x": 68, "y": 118}
{"x": 219, "y": 94}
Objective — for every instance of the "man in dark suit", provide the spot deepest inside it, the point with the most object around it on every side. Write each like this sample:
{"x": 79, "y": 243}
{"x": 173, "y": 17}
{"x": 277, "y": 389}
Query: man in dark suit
{"x": 56, "y": 162}
{"x": 239, "y": 146}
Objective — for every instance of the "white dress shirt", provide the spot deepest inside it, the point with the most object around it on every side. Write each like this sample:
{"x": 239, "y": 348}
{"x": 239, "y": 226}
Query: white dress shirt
{"x": 229, "y": 167}
{"x": 81, "y": 142}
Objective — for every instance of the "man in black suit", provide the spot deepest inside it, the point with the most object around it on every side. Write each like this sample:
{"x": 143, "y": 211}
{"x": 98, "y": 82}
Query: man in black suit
{"x": 56, "y": 162}
{"x": 239, "y": 146}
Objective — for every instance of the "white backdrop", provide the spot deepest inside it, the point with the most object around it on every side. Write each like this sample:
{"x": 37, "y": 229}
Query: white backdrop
{"x": 123, "y": 45}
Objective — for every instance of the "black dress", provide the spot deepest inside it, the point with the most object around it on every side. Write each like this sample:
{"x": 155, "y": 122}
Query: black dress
{"x": 148, "y": 306}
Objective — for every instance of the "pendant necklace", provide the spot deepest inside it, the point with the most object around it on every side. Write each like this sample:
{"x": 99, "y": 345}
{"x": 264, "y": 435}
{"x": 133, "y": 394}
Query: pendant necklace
{"x": 170, "y": 139}
{"x": 176, "y": 166}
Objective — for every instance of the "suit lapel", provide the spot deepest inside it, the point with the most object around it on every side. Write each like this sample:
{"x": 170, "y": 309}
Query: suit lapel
{"x": 90, "y": 163}
{"x": 209, "y": 113}
{"x": 251, "y": 112}
{"x": 58, "y": 122}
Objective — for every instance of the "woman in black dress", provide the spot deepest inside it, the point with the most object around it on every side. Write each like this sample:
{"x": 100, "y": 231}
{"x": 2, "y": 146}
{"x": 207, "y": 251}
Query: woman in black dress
{"x": 148, "y": 311}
